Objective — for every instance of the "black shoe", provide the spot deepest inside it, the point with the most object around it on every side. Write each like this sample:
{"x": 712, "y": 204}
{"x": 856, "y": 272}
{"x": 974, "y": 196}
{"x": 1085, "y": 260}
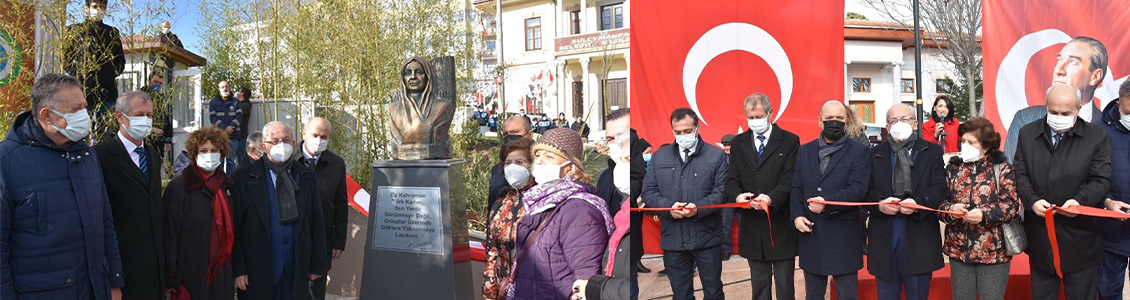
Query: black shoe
{"x": 641, "y": 269}
{"x": 662, "y": 272}
{"x": 725, "y": 256}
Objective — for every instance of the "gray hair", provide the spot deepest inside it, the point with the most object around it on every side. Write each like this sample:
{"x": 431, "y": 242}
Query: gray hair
{"x": 124, "y": 101}
{"x": 1078, "y": 95}
{"x": 525, "y": 121}
{"x": 1124, "y": 89}
{"x": 754, "y": 99}
{"x": 254, "y": 139}
{"x": 44, "y": 93}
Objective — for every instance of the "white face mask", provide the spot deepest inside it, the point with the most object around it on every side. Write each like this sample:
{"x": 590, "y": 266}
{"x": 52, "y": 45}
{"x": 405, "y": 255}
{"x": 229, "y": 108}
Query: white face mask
{"x": 622, "y": 177}
{"x": 208, "y": 161}
{"x": 901, "y": 131}
{"x": 225, "y": 94}
{"x": 615, "y": 151}
{"x": 970, "y": 153}
{"x": 1125, "y": 120}
{"x": 1061, "y": 124}
{"x": 165, "y": 30}
{"x": 546, "y": 173}
{"x": 759, "y": 126}
{"x": 516, "y": 175}
{"x": 316, "y": 145}
{"x": 686, "y": 141}
{"x": 78, "y": 125}
{"x": 139, "y": 127}
{"x": 281, "y": 152}
{"x": 95, "y": 14}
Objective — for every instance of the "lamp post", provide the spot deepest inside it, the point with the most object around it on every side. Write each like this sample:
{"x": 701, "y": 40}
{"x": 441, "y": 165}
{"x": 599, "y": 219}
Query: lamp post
{"x": 918, "y": 67}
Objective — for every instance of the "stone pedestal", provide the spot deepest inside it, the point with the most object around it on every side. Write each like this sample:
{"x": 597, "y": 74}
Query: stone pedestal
{"x": 417, "y": 241}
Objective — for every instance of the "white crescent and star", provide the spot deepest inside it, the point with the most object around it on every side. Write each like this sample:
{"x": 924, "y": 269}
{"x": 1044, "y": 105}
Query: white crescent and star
{"x": 736, "y": 37}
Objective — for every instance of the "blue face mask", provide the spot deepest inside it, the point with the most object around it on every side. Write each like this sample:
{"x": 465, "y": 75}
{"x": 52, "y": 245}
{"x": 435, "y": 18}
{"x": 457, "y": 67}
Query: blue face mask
{"x": 155, "y": 87}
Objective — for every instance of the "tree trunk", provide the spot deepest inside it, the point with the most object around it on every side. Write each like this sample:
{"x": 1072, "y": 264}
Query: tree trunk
{"x": 971, "y": 91}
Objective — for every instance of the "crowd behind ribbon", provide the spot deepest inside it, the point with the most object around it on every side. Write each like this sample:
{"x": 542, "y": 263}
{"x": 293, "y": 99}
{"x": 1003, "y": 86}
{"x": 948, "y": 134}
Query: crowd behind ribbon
{"x": 842, "y": 197}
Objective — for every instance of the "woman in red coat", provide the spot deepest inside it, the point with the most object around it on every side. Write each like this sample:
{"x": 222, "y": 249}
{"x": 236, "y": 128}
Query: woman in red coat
{"x": 942, "y": 126}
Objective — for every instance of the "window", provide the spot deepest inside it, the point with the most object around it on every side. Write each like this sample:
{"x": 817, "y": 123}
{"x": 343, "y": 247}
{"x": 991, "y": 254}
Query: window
{"x": 861, "y": 85}
{"x": 533, "y": 34}
{"x": 612, "y": 16}
{"x": 616, "y": 93}
{"x": 944, "y": 85}
{"x": 575, "y": 22}
{"x": 864, "y": 109}
{"x": 907, "y": 85}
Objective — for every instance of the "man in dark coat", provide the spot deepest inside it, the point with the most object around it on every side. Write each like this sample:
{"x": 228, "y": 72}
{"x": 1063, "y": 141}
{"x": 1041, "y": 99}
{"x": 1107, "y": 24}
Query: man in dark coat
{"x": 1116, "y": 233}
{"x": 132, "y": 172}
{"x": 280, "y": 236}
{"x": 617, "y": 129}
{"x": 244, "y": 96}
{"x": 330, "y": 170}
{"x": 58, "y": 239}
{"x": 93, "y": 53}
{"x": 832, "y": 168}
{"x": 226, "y": 113}
{"x": 1063, "y": 161}
{"x": 906, "y": 244}
{"x": 761, "y": 167}
{"x": 686, "y": 175}
{"x": 639, "y": 168}
{"x": 514, "y": 128}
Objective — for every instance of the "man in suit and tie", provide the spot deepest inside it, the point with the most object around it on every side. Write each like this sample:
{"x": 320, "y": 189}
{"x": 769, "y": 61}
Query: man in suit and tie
{"x": 834, "y": 168}
{"x": 280, "y": 236}
{"x": 132, "y": 172}
{"x": 762, "y": 160}
{"x": 905, "y": 247}
{"x": 686, "y": 175}
{"x": 330, "y": 171}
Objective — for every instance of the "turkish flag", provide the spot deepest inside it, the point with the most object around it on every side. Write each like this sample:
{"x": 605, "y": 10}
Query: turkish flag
{"x": 1021, "y": 39}
{"x": 709, "y": 57}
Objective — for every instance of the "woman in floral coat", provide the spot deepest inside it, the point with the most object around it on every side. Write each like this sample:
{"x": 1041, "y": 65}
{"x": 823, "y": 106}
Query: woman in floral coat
{"x": 504, "y": 216}
{"x": 975, "y": 243}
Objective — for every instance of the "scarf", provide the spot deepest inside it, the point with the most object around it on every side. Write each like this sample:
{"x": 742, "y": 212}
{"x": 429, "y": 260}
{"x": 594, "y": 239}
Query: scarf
{"x": 222, "y": 237}
{"x": 903, "y": 164}
{"x": 621, "y": 230}
{"x": 545, "y": 196}
{"x": 826, "y": 152}
{"x": 284, "y": 191}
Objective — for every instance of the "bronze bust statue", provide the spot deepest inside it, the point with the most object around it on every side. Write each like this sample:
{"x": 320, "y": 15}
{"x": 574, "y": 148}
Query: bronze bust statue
{"x": 422, "y": 110}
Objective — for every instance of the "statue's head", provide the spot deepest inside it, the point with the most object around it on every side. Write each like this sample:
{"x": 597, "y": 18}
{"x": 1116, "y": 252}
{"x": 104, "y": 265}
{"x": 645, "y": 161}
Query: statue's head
{"x": 414, "y": 75}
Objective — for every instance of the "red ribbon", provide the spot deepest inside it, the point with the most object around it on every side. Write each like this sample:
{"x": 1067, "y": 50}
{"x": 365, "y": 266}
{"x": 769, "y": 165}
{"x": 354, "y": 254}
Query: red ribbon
{"x": 907, "y": 205}
{"x": 1049, "y": 219}
{"x": 742, "y": 205}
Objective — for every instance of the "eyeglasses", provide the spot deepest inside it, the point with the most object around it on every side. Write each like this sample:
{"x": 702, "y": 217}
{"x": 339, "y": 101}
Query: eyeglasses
{"x": 276, "y": 142}
{"x": 904, "y": 120}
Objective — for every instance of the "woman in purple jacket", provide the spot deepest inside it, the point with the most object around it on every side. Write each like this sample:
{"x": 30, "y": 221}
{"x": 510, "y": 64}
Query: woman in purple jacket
{"x": 566, "y": 229}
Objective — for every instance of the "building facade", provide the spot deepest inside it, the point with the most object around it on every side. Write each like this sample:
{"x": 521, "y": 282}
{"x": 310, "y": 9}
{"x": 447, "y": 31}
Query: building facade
{"x": 562, "y": 56}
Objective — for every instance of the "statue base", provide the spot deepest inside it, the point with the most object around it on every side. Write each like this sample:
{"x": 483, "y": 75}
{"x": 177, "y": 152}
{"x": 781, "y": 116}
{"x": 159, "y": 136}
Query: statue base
{"x": 417, "y": 245}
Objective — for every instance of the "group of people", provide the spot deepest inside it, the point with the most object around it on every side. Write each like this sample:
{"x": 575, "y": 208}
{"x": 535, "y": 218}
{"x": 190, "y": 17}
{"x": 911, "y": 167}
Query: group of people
{"x": 552, "y": 233}
{"x": 796, "y": 196}
{"x": 94, "y": 222}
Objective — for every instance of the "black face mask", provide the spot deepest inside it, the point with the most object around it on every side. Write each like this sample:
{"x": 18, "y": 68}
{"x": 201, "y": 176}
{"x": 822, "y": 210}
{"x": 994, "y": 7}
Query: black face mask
{"x": 833, "y": 130}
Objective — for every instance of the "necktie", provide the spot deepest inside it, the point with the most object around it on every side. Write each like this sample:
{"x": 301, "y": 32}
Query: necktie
{"x": 686, "y": 155}
{"x": 760, "y": 146}
{"x": 312, "y": 161}
{"x": 142, "y": 162}
{"x": 1056, "y": 138}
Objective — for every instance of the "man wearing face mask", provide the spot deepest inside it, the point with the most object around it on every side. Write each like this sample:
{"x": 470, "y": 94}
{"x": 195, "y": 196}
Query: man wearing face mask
{"x": 93, "y": 53}
{"x": 254, "y": 141}
{"x": 1116, "y": 233}
{"x": 280, "y": 236}
{"x": 832, "y": 168}
{"x": 57, "y": 222}
{"x": 616, "y": 129}
{"x": 686, "y": 175}
{"x": 905, "y": 247}
{"x": 761, "y": 173}
{"x": 132, "y": 172}
{"x": 330, "y": 170}
{"x": 1063, "y": 161}
{"x": 226, "y": 113}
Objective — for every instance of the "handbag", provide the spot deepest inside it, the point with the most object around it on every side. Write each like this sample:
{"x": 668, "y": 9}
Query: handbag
{"x": 1013, "y": 231}
{"x": 506, "y": 287}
